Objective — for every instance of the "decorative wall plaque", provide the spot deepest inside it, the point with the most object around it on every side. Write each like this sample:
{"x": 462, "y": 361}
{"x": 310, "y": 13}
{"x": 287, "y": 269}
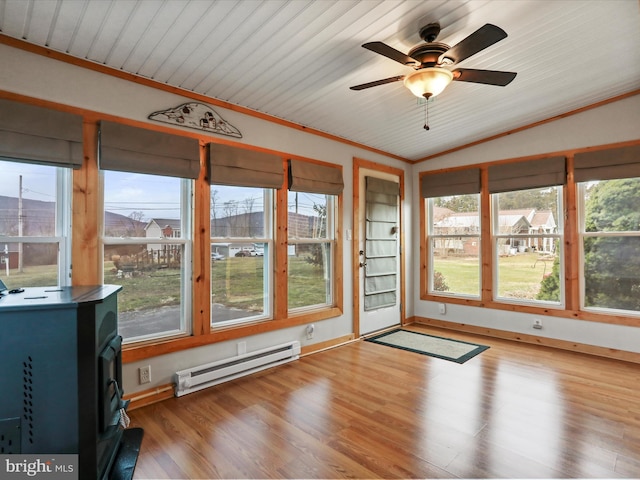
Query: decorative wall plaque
{"x": 197, "y": 116}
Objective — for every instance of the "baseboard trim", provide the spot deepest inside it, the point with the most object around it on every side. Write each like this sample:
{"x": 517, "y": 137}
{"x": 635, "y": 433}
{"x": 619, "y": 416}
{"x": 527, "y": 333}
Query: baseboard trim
{"x": 147, "y": 397}
{"x": 163, "y": 392}
{"x": 612, "y": 353}
{"x": 319, "y": 347}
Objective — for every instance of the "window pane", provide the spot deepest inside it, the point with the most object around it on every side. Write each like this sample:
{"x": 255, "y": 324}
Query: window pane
{"x": 149, "y": 303}
{"x": 526, "y": 273}
{"x": 310, "y": 268}
{"x": 455, "y": 245}
{"x": 152, "y": 271}
{"x": 134, "y": 203}
{"x": 311, "y": 217}
{"x": 527, "y": 230}
{"x": 39, "y": 266}
{"x": 237, "y": 212}
{"x": 612, "y": 205}
{"x": 308, "y": 215}
{"x": 30, "y": 208}
{"x": 240, "y": 255}
{"x": 454, "y": 273}
{"x": 238, "y": 288}
{"x": 612, "y": 272}
{"x": 611, "y": 244}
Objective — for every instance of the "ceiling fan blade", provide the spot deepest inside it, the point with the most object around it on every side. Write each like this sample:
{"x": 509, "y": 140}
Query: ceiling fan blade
{"x": 390, "y": 52}
{"x": 377, "y": 82}
{"x": 479, "y": 40}
{"x": 488, "y": 77}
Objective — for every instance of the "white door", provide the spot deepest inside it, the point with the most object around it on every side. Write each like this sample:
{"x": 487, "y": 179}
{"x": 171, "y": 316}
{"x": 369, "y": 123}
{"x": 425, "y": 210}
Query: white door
{"x": 378, "y": 250}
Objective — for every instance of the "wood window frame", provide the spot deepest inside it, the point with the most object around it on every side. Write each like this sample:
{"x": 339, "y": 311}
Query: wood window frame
{"x": 203, "y": 333}
{"x": 570, "y": 274}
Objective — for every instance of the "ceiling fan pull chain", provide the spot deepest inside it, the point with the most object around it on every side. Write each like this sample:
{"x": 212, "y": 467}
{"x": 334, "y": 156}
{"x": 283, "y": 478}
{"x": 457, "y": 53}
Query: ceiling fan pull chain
{"x": 426, "y": 114}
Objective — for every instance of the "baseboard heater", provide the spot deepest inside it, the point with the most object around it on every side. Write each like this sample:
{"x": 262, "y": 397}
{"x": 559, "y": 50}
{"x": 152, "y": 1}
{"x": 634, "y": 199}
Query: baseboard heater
{"x": 203, "y": 376}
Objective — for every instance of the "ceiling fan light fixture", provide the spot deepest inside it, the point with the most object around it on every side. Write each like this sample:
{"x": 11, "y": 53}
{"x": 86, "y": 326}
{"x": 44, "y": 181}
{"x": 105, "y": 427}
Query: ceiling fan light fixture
{"x": 428, "y": 82}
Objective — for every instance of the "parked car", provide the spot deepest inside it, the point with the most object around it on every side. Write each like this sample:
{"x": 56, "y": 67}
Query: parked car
{"x": 216, "y": 256}
{"x": 243, "y": 253}
{"x": 256, "y": 253}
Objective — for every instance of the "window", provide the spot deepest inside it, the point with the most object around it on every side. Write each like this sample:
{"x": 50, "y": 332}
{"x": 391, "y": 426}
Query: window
{"x": 147, "y": 236}
{"x": 243, "y": 184}
{"x": 34, "y": 224}
{"x": 312, "y": 211}
{"x": 609, "y": 228}
{"x": 241, "y": 246}
{"x": 311, "y": 241}
{"x": 527, "y": 235}
{"x": 38, "y": 149}
{"x": 454, "y": 246}
{"x": 147, "y": 251}
{"x": 452, "y": 207}
{"x": 527, "y": 230}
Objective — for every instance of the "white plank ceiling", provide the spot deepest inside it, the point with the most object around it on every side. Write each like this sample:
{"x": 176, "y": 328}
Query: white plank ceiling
{"x": 296, "y": 59}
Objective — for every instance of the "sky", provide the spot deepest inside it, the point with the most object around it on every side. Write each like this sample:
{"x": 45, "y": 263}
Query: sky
{"x": 125, "y": 193}
{"x": 38, "y": 182}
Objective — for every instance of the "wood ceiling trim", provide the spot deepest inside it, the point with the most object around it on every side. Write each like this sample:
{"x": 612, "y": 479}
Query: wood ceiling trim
{"x": 531, "y": 125}
{"x": 82, "y": 63}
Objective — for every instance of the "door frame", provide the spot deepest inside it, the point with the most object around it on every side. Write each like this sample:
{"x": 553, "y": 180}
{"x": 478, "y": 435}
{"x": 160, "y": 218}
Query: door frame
{"x": 359, "y": 163}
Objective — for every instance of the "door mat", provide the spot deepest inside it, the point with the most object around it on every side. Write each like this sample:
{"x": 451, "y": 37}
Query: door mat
{"x": 439, "y": 347}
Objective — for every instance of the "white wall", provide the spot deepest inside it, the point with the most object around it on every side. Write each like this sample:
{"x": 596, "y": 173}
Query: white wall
{"x": 36, "y": 76}
{"x": 40, "y": 77}
{"x": 612, "y": 123}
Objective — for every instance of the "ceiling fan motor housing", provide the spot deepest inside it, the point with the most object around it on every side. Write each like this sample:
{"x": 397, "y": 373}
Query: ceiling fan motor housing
{"x": 428, "y": 54}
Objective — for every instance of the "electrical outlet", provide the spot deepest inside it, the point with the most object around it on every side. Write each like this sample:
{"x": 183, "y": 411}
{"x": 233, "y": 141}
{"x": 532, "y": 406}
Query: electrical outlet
{"x": 145, "y": 374}
{"x": 442, "y": 308}
{"x": 310, "y": 331}
{"x": 537, "y": 324}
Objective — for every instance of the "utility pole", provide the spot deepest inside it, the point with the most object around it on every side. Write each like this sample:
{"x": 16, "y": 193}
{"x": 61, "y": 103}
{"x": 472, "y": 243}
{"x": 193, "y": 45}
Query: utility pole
{"x": 20, "y": 221}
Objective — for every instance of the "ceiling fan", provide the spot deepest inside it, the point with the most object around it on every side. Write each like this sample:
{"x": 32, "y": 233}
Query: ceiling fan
{"x": 430, "y": 59}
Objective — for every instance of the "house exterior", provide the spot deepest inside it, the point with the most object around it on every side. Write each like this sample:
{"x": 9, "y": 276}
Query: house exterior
{"x": 527, "y": 221}
{"x": 161, "y": 228}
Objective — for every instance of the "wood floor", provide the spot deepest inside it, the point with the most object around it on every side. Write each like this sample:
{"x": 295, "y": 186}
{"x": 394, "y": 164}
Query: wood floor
{"x": 370, "y": 411}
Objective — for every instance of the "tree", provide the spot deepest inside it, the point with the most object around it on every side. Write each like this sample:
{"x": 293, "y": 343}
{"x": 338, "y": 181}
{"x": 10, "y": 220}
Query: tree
{"x": 458, "y": 203}
{"x": 439, "y": 282}
{"x": 540, "y": 199}
{"x": 137, "y": 224}
{"x": 612, "y": 263}
{"x": 317, "y": 253}
{"x": 550, "y": 286}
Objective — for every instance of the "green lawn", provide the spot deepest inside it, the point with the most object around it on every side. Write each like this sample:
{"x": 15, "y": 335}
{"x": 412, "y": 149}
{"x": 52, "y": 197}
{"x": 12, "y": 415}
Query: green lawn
{"x": 519, "y": 276}
{"x": 238, "y": 283}
{"x": 37, "y": 276}
{"x": 152, "y": 288}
